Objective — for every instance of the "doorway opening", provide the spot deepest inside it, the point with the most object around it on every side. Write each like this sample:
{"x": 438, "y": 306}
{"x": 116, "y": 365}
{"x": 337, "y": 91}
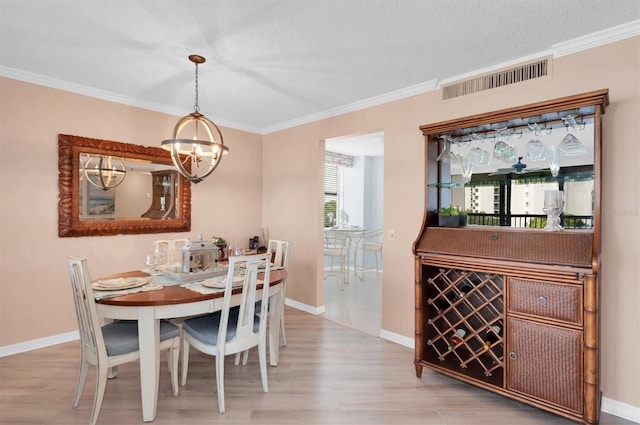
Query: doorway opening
{"x": 354, "y": 177}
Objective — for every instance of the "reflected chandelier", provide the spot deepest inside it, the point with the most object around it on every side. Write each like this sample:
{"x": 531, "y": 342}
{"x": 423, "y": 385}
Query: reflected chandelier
{"x": 104, "y": 172}
{"x": 196, "y": 157}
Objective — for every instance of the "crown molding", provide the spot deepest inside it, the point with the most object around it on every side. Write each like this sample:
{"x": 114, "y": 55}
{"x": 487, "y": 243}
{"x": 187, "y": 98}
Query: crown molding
{"x": 29, "y": 77}
{"x": 356, "y": 106}
{"x": 589, "y": 41}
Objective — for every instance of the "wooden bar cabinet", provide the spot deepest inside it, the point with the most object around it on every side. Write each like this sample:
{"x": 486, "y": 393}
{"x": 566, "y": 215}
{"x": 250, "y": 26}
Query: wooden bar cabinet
{"x": 514, "y": 309}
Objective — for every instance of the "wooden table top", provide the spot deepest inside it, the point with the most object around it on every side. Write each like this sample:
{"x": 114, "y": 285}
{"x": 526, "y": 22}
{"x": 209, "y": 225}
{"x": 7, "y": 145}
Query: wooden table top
{"x": 172, "y": 294}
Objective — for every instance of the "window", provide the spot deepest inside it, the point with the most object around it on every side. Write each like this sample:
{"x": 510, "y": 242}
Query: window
{"x": 332, "y": 193}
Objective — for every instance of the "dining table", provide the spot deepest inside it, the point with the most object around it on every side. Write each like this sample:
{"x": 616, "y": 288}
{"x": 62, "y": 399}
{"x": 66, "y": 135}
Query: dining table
{"x": 172, "y": 301}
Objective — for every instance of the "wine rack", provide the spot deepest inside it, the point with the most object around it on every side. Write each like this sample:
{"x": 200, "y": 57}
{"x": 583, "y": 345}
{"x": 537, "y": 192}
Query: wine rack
{"x": 465, "y": 326}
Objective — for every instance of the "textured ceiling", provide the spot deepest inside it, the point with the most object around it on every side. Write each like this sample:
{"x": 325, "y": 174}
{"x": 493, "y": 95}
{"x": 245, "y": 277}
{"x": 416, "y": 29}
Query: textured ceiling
{"x": 271, "y": 63}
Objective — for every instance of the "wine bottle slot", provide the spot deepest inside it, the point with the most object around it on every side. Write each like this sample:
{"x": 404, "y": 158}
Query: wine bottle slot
{"x": 457, "y": 338}
{"x": 492, "y": 335}
{"x": 466, "y": 287}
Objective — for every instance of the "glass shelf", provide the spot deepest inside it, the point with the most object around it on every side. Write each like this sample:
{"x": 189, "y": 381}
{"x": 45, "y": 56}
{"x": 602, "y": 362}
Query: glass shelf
{"x": 516, "y": 179}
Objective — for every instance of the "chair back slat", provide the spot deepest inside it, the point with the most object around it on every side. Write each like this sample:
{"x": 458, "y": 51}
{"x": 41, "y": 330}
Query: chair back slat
{"x": 336, "y": 241}
{"x": 245, "y": 335}
{"x": 279, "y": 253}
{"x": 172, "y": 248}
{"x": 89, "y": 322}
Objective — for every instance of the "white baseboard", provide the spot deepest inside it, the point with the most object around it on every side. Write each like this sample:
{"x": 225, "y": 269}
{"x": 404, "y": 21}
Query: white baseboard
{"x": 35, "y": 344}
{"x": 304, "y": 307}
{"x": 613, "y": 407}
{"x": 620, "y": 409}
{"x": 397, "y": 338}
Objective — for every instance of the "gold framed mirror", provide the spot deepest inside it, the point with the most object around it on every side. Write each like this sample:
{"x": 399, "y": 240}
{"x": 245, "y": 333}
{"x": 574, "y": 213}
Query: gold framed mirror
{"x": 153, "y": 198}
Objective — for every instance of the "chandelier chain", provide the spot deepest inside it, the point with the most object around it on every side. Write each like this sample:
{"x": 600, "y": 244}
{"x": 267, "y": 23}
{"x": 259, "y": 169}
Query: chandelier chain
{"x": 196, "y": 108}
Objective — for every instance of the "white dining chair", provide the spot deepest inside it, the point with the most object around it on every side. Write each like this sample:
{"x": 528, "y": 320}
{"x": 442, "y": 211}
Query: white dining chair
{"x": 232, "y": 330}
{"x": 279, "y": 250}
{"x": 371, "y": 242}
{"x": 108, "y": 345}
{"x": 172, "y": 249}
{"x": 335, "y": 248}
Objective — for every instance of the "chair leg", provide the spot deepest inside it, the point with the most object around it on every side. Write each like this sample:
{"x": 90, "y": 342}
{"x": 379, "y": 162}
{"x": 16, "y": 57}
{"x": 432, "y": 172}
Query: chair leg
{"x": 220, "y": 381}
{"x": 185, "y": 361}
{"x": 113, "y": 372}
{"x": 101, "y": 385}
{"x": 283, "y": 336}
{"x": 173, "y": 359}
{"x": 262, "y": 358}
{"x": 244, "y": 355}
{"x": 82, "y": 379}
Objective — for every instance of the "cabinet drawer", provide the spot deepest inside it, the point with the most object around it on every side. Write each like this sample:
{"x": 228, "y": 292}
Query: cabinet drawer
{"x": 557, "y": 301}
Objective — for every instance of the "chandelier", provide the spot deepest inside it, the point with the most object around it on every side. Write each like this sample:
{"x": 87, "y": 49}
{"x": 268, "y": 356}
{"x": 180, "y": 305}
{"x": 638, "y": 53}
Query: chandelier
{"x": 200, "y": 152}
{"x": 104, "y": 172}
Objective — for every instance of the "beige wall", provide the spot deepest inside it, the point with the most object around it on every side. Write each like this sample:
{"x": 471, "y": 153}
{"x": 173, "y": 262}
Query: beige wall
{"x": 280, "y": 187}
{"x": 34, "y": 282}
{"x": 293, "y": 194}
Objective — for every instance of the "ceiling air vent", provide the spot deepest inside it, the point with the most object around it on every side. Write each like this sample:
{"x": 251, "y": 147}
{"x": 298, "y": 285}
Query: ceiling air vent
{"x": 517, "y": 74}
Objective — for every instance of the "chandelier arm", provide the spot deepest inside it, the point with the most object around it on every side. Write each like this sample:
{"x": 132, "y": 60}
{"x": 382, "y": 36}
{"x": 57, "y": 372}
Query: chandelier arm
{"x": 175, "y": 157}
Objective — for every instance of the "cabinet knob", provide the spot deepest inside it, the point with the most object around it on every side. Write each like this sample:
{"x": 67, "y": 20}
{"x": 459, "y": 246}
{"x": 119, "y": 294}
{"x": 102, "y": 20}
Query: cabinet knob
{"x": 542, "y": 301}
{"x": 494, "y": 237}
{"x": 513, "y": 355}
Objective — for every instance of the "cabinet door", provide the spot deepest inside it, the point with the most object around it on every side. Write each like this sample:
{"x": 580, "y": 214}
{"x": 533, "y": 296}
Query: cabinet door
{"x": 545, "y": 362}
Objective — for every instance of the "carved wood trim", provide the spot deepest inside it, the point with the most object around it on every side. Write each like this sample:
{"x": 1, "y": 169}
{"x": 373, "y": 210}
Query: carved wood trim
{"x": 69, "y": 224}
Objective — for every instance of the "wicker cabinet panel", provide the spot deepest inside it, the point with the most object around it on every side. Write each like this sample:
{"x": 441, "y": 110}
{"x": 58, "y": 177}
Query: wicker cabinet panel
{"x": 545, "y": 362}
{"x": 543, "y": 299}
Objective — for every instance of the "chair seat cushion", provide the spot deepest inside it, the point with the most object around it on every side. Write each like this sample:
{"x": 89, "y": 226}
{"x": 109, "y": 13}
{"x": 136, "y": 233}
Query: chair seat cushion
{"x": 205, "y": 328}
{"x": 121, "y": 337}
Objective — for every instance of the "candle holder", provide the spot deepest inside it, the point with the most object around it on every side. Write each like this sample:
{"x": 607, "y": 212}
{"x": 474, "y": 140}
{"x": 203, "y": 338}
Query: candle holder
{"x": 553, "y": 205}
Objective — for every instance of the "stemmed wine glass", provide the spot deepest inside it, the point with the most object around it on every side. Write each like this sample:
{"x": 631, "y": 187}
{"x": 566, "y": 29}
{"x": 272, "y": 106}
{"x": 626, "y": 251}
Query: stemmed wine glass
{"x": 160, "y": 255}
{"x": 535, "y": 150}
{"x": 150, "y": 262}
{"x": 554, "y": 160}
{"x": 445, "y": 155}
{"x": 570, "y": 145}
{"x": 503, "y": 150}
{"x": 467, "y": 169}
{"x": 477, "y": 155}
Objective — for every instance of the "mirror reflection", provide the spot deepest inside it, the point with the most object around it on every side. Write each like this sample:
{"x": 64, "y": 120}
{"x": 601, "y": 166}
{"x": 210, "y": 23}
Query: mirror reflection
{"x": 112, "y": 187}
{"x": 499, "y": 178}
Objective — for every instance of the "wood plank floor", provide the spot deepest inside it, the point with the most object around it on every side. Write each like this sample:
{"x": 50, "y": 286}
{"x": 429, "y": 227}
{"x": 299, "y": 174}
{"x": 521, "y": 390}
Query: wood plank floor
{"x": 328, "y": 374}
